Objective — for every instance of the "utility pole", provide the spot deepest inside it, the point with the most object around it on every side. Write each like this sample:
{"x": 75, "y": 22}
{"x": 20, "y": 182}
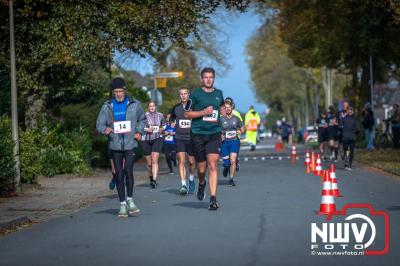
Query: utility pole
{"x": 14, "y": 110}
{"x": 371, "y": 80}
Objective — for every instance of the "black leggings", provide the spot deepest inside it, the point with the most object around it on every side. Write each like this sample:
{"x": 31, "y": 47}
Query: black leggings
{"x": 118, "y": 159}
{"x": 349, "y": 145}
{"x": 170, "y": 154}
{"x": 396, "y": 137}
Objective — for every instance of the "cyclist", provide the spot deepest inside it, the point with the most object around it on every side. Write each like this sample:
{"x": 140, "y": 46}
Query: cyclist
{"x": 122, "y": 119}
{"x": 232, "y": 127}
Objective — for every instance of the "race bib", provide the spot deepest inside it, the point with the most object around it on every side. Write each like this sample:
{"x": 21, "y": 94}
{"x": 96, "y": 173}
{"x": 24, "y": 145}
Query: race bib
{"x": 185, "y": 123}
{"x": 121, "y": 127}
{"x": 169, "y": 138}
{"x": 155, "y": 129}
{"x": 211, "y": 117}
{"x": 230, "y": 134}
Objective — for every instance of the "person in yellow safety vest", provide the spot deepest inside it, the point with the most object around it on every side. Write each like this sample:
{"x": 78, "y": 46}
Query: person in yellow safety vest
{"x": 252, "y": 121}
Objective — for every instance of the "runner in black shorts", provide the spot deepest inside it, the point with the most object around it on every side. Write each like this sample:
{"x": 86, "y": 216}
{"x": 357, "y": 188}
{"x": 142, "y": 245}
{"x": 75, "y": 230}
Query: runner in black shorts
{"x": 184, "y": 143}
{"x": 323, "y": 135}
{"x": 203, "y": 109}
{"x": 152, "y": 142}
{"x": 333, "y": 132}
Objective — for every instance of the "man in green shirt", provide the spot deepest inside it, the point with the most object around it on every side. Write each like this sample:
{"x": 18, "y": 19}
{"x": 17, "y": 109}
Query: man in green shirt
{"x": 203, "y": 109}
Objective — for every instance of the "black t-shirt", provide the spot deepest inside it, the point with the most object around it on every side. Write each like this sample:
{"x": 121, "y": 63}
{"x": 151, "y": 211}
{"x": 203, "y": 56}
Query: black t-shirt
{"x": 322, "y": 124}
{"x": 183, "y": 125}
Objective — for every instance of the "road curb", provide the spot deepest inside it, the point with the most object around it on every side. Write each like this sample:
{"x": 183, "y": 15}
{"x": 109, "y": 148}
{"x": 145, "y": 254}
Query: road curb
{"x": 11, "y": 224}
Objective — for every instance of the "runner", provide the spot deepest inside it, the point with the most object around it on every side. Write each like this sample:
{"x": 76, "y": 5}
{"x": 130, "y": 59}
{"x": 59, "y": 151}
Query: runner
{"x": 323, "y": 135}
{"x": 333, "y": 122}
{"x": 238, "y": 115}
{"x": 113, "y": 180}
{"x": 153, "y": 141}
{"x": 232, "y": 127}
{"x": 122, "y": 119}
{"x": 203, "y": 109}
{"x": 252, "y": 121}
{"x": 350, "y": 133}
{"x": 342, "y": 114}
{"x": 285, "y": 130}
{"x": 170, "y": 144}
{"x": 184, "y": 143}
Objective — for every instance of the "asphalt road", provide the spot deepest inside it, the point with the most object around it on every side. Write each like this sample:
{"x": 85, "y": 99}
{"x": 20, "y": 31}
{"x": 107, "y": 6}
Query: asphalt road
{"x": 265, "y": 220}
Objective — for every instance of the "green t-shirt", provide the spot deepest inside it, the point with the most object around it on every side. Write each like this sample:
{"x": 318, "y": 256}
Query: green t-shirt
{"x": 206, "y": 125}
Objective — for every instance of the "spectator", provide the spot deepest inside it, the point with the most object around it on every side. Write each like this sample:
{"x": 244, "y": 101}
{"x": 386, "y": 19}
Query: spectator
{"x": 395, "y": 120}
{"x": 285, "y": 130}
{"x": 368, "y": 123}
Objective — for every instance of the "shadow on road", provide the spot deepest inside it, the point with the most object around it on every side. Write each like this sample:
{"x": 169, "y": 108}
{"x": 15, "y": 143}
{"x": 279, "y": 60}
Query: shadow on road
{"x": 393, "y": 208}
{"x": 223, "y": 182}
{"x": 109, "y": 211}
{"x": 111, "y": 196}
{"x": 194, "y": 205}
{"x": 173, "y": 191}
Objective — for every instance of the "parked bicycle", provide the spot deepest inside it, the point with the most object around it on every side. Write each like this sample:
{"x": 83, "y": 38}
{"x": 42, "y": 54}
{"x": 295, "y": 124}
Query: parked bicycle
{"x": 384, "y": 138}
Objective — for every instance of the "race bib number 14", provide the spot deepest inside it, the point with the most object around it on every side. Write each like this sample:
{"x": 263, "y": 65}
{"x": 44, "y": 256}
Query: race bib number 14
{"x": 121, "y": 127}
{"x": 211, "y": 117}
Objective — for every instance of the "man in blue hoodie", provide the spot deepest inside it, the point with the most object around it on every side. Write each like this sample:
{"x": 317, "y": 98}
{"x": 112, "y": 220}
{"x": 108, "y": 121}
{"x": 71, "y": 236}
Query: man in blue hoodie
{"x": 122, "y": 120}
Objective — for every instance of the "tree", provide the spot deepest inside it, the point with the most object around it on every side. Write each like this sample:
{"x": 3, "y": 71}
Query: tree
{"x": 276, "y": 79}
{"x": 342, "y": 35}
{"x": 55, "y": 38}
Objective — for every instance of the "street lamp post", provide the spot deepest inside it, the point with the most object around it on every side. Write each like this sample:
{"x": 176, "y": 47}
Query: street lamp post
{"x": 14, "y": 110}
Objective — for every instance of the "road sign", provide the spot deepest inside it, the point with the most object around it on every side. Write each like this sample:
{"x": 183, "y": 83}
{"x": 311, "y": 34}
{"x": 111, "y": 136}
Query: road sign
{"x": 161, "y": 82}
{"x": 178, "y": 74}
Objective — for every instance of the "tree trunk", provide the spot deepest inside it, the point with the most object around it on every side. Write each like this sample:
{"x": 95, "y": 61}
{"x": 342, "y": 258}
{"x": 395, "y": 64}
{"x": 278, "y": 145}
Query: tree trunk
{"x": 35, "y": 109}
{"x": 308, "y": 103}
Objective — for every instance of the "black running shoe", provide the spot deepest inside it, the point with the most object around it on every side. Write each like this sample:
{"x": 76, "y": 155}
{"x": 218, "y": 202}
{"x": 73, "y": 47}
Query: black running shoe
{"x": 231, "y": 182}
{"x": 153, "y": 184}
{"x": 213, "y": 205}
{"x": 201, "y": 192}
{"x": 226, "y": 171}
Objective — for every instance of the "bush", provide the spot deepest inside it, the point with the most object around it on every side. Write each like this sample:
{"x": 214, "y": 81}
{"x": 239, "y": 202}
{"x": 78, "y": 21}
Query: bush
{"x": 30, "y": 155}
{"x": 7, "y": 164}
{"x": 66, "y": 152}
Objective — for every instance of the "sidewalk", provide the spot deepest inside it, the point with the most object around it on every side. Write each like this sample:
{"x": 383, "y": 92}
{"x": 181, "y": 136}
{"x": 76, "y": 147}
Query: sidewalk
{"x": 60, "y": 195}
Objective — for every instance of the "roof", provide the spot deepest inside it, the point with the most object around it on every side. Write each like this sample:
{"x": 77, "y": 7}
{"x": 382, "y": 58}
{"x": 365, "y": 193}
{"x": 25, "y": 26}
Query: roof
{"x": 140, "y": 81}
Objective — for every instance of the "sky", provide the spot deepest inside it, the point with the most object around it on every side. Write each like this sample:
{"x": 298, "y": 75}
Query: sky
{"x": 237, "y": 81}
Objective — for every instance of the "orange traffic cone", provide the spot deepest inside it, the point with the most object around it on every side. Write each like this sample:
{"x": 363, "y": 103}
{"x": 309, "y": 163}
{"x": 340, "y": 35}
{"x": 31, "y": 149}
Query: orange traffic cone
{"x": 328, "y": 201}
{"x": 318, "y": 167}
{"x": 278, "y": 144}
{"x": 294, "y": 153}
{"x": 312, "y": 163}
{"x": 332, "y": 175}
{"x": 307, "y": 159}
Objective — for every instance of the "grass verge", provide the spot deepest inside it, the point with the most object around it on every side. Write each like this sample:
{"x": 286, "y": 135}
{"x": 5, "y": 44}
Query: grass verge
{"x": 386, "y": 159}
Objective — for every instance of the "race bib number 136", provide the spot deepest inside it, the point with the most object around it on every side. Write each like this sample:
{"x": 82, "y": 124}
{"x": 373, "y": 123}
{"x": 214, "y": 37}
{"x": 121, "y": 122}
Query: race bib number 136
{"x": 185, "y": 123}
